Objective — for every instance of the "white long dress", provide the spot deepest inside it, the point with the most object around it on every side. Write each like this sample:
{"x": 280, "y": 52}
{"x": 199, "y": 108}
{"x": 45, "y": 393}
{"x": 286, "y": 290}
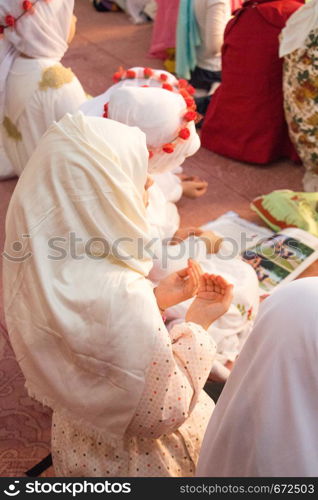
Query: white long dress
{"x": 39, "y": 91}
{"x": 231, "y": 330}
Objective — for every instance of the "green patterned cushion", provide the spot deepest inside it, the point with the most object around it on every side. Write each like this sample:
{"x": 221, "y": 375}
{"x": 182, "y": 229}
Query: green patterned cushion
{"x": 285, "y": 208}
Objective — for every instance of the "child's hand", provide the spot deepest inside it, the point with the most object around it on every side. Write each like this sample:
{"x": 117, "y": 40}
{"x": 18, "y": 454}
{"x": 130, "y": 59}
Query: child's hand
{"x": 214, "y": 297}
{"x": 186, "y": 177}
{"x": 178, "y": 286}
{"x": 212, "y": 241}
{"x": 194, "y": 188}
{"x": 192, "y": 185}
{"x": 184, "y": 233}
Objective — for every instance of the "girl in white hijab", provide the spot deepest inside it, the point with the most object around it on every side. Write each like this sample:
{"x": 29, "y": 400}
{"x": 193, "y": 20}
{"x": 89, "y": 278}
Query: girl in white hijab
{"x": 165, "y": 168}
{"x": 265, "y": 422}
{"x": 83, "y": 319}
{"x": 159, "y": 113}
{"x": 299, "y": 47}
{"x": 35, "y": 88}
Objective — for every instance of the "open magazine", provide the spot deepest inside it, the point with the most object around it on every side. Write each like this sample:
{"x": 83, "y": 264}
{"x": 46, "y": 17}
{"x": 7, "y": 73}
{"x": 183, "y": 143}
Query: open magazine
{"x": 277, "y": 258}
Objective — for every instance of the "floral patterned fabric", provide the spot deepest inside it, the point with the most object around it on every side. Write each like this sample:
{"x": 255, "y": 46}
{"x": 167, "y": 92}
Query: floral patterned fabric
{"x": 301, "y": 100}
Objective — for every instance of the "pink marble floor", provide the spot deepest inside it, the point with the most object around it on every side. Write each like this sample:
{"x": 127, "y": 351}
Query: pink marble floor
{"x": 103, "y": 42}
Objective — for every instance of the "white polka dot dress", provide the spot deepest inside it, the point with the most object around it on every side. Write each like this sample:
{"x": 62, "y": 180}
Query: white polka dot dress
{"x": 165, "y": 435}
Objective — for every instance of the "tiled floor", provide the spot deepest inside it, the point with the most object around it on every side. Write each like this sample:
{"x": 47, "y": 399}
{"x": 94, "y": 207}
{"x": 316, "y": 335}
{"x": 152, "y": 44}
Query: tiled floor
{"x": 105, "y": 41}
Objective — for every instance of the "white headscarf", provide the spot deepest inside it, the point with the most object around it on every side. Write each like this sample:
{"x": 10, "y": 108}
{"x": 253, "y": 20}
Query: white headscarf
{"x": 156, "y": 111}
{"x": 95, "y": 107}
{"x": 265, "y": 422}
{"x": 43, "y": 33}
{"x": 298, "y": 27}
{"x": 82, "y": 328}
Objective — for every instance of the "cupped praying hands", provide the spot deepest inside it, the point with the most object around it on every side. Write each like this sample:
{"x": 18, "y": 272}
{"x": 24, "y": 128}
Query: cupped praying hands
{"x": 178, "y": 286}
{"x": 213, "y": 299}
{"x": 213, "y": 294}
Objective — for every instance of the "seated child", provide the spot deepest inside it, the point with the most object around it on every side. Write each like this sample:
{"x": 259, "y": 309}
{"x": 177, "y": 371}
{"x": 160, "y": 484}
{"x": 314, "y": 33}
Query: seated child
{"x": 159, "y": 113}
{"x": 35, "y": 88}
{"x": 88, "y": 334}
{"x": 173, "y": 183}
{"x": 245, "y": 119}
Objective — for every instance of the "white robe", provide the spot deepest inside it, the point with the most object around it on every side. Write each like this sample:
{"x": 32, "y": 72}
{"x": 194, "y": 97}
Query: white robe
{"x": 25, "y": 114}
{"x": 35, "y": 98}
{"x": 265, "y": 422}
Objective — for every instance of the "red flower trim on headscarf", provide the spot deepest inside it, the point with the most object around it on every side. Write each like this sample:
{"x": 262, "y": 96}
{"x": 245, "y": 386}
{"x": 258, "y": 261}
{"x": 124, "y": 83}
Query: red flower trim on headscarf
{"x": 182, "y": 83}
{"x": 182, "y": 87}
{"x": 130, "y": 74}
{"x": 27, "y": 8}
{"x": 168, "y": 148}
{"x": 163, "y": 77}
{"x": 190, "y": 116}
{"x": 148, "y": 72}
{"x": 167, "y": 86}
{"x": 190, "y": 89}
{"x": 10, "y": 21}
{"x": 27, "y": 5}
{"x": 105, "y": 115}
{"x": 184, "y": 133}
{"x": 190, "y": 102}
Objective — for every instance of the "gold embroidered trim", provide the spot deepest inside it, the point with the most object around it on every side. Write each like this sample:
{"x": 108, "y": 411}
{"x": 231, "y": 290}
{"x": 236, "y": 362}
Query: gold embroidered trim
{"x": 11, "y": 129}
{"x": 55, "y": 77}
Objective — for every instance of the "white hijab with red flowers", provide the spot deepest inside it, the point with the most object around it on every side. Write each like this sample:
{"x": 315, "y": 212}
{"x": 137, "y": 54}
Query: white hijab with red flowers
{"x": 160, "y": 105}
{"x": 41, "y": 31}
{"x": 36, "y": 28}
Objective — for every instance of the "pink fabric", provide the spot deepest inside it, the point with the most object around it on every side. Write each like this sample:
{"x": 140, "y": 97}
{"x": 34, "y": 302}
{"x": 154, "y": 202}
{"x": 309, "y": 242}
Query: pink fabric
{"x": 164, "y": 29}
{"x": 236, "y": 4}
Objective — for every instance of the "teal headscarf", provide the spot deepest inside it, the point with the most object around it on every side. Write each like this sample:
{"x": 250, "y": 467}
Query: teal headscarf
{"x": 188, "y": 39}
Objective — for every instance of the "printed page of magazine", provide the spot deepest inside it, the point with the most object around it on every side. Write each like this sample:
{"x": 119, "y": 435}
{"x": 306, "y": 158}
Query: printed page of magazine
{"x": 277, "y": 258}
{"x": 282, "y": 257}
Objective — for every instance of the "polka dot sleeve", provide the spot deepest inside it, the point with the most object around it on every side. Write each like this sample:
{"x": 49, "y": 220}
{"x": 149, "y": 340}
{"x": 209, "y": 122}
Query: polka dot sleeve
{"x": 178, "y": 371}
